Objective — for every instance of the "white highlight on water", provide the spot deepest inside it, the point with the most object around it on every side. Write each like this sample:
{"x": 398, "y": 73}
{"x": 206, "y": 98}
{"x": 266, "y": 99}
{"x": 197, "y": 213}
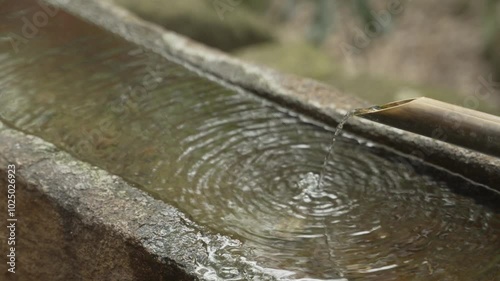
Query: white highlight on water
{"x": 309, "y": 186}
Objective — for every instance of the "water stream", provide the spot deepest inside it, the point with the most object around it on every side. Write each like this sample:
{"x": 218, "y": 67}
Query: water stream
{"x": 337, "y": 132}
{"x": 243, "y": 166}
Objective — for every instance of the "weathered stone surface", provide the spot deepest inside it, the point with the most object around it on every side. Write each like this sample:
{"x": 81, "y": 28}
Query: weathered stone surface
{"x": 78, "y": 222}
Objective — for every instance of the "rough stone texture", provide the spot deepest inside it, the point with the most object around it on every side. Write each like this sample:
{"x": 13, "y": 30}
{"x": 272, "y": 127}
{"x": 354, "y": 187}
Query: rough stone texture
{"x": 303, "y": 95}
{"x": 77, "y": 222}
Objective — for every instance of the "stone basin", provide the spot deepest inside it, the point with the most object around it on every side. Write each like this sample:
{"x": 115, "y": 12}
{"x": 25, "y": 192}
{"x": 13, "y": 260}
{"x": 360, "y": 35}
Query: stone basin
{"x": 87, "y": 212}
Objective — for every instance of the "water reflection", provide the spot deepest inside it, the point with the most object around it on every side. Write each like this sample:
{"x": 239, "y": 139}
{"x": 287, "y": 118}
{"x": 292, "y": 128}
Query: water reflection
{"x": 240, "y": 165}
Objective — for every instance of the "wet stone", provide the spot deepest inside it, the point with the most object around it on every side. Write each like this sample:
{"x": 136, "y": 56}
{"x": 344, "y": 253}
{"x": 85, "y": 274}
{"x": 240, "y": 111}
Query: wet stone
{"x": 237, "y": 165}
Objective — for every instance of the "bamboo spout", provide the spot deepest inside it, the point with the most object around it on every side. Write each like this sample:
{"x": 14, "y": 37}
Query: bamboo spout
{"x": 441, "y": 121}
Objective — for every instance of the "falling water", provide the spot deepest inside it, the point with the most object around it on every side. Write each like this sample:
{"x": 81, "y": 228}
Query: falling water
{"x": 223, "y": 157}
{"x": 337, "y": 132}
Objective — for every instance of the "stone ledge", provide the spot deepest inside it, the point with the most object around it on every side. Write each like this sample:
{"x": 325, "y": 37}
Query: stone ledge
{"x": 78, "y": 222}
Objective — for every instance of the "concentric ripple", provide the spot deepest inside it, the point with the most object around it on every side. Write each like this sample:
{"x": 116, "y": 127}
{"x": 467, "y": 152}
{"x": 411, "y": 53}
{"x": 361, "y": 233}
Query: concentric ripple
{"x": 368, "y": 218}
{"x": 242, "y": 166}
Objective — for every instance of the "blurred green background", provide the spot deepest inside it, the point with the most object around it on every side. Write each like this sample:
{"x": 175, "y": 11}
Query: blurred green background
{"x": 381, "y": 51}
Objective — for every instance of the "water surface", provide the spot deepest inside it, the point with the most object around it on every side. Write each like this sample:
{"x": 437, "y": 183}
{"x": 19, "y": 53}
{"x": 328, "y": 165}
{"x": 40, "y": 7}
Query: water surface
{"x": 240, "y": 165}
